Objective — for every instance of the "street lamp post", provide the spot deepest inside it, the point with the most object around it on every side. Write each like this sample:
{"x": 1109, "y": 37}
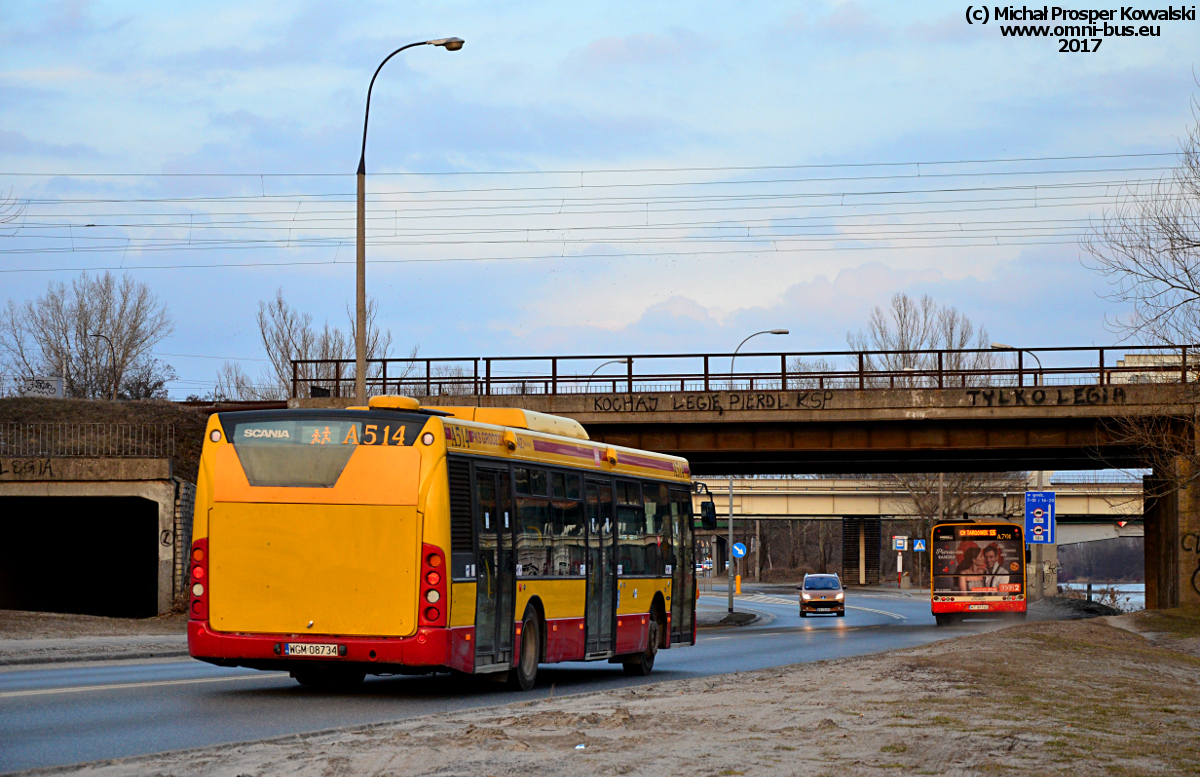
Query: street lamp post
{"x": 360, "y": 336}
{"x": 1003, "y": 347}
{"x": 614, "y": 361}
{"x": 113, "y": 363}
{"x": 735, "y": 350}
{"x": 729, "y": 572}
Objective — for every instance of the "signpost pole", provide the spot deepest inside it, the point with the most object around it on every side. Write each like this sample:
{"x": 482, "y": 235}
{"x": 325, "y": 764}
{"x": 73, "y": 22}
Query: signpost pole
{"x": 729, "y": 571}
{"x": 1040, "y": 583}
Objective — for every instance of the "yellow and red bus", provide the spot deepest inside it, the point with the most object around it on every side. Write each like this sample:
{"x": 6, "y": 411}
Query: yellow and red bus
{"x": 400, "y": 539}
{"x": 977, "y": 570}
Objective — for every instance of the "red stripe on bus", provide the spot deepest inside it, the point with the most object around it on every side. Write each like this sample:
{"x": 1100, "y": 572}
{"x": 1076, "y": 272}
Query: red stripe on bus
{"x": 564, "y": 449}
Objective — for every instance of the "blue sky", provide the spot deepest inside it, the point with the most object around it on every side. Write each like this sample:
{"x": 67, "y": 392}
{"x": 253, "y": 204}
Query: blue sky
{"x": 647, "y": 90}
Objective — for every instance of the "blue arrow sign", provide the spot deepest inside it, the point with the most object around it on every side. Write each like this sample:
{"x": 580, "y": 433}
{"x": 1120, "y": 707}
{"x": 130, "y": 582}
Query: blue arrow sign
{"x": 1039, "y": 517}
{"x": 739, "y": 550}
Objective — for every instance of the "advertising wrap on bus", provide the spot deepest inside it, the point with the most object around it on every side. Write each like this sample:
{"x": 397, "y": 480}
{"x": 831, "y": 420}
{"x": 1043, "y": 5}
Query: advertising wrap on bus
{"x": 978, "y": 561}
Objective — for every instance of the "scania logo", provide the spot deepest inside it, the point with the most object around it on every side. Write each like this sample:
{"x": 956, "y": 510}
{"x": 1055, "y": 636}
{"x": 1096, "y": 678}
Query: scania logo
{"x": 278, "y": 433}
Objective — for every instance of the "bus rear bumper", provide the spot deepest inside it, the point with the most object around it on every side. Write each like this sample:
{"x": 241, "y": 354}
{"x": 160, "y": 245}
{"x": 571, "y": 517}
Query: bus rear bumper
{"x": 431, "y": 648}
{"x": 977, "y": 608}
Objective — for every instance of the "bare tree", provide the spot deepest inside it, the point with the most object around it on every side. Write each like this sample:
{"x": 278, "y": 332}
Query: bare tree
{"x": 816, "y": 373}
{"x": 56, "y": 335}
{"x": 912, "y": 324}
{"x": 1148, "y": 248}
{"x": 11, "y": 209}
{"x": 956, "y": 494}
{"x": 288, "y": 334}
{"x": 829, "y": 536}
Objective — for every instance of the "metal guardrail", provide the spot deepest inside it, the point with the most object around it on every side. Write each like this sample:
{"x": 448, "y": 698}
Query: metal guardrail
{"x": 83, "y": 440}
{"x": 647, "y": 373}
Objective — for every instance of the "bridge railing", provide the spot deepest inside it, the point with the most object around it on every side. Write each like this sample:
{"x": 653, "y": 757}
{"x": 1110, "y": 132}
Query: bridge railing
{"x": 84, "y": 440}
{"x": 772, "y": 371}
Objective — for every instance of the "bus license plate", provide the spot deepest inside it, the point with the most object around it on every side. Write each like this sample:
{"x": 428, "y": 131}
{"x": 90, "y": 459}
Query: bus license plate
{"x": 309, "y": 649}
{"x": 977, "y": 607}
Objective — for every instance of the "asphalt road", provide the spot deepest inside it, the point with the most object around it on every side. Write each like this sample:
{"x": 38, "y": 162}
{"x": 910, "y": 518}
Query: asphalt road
{"x": 102, "y": 710}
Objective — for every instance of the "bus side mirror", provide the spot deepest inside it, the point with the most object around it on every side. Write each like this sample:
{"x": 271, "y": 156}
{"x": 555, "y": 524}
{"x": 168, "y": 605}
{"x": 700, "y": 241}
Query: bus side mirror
{"x": 708, "y": 515}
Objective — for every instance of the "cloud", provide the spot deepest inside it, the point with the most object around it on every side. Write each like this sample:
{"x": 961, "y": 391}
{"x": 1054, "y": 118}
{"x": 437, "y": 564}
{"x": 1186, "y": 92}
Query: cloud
{"x": 948, "y": 29}
{"x": 852, "y": 23}
{"x": 13, "y": 143}
{"x": 675, "y": 48}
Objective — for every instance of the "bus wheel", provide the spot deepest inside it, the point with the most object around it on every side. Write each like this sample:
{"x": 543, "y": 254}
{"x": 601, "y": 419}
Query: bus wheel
{"x": 524, "y": 674}
{"x": 643, "y": 663}
{"x": 329, "y": 679}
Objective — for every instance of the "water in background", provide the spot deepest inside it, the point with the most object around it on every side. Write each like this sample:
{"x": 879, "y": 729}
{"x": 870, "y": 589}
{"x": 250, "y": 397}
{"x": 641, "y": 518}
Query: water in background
{"x": 1130, "y": 596}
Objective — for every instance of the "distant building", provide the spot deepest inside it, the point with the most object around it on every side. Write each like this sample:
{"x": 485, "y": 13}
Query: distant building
{"x": 1151, "y": 368}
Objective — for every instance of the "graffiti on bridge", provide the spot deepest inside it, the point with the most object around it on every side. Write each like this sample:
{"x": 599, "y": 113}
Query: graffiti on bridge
{"x": 715, "y": 402}
{"x": 1191, "y": 544}
{"x": 1079, "y": 395}
{"x": 26, "y": 468}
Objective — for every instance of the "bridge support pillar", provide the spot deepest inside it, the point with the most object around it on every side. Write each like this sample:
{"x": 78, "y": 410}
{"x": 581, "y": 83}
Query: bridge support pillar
{"x": 1171, "y": 513}
{"x": 1042, "y": 571}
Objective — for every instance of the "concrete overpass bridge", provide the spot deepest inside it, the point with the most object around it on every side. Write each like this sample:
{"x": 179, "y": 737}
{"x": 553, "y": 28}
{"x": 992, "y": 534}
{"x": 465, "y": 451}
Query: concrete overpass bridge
{"x": 821, "y": 412}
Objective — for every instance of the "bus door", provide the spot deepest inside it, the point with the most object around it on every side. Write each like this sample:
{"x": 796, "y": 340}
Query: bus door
{"x": 495, "y": 571}
{"x": 683, "y": 578}
{"x": 601, "y": 577}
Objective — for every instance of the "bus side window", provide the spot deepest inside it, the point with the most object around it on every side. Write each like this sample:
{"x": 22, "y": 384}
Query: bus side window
{"x": 533, "y": 545}
{"x": 569, "y": 551}
{"x": 658, "y": 528}
{"x": 631, "y": 529}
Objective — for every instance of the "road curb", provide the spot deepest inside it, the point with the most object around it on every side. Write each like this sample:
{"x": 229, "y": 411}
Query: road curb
{"x": 85, "y": 657}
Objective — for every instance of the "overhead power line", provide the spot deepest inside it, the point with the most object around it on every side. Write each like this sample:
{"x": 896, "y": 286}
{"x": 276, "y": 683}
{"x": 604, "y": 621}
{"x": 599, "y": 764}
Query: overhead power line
{"x": 595, "y": 171}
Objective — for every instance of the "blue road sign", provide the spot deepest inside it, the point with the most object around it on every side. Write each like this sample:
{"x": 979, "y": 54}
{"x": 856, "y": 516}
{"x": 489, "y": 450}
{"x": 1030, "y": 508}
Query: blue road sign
{"x": 918, "y": 544}
{"x": 739, "y": 550}
{"x": 1039, "y": 517}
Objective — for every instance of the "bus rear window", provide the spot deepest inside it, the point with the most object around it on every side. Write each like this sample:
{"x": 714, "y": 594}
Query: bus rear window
{"x": 290, "y": 448}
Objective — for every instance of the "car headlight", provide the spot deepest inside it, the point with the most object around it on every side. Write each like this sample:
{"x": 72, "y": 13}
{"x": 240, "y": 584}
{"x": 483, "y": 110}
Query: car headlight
{"x": 841, "y": 595}
{"x": 806, "y": 597}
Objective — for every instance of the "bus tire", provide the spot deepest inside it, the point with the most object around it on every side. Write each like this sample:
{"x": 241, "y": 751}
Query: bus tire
{"x": 642, "y": 664}
{"x": 523, "y": 676}
{"x": 336, "y": 679}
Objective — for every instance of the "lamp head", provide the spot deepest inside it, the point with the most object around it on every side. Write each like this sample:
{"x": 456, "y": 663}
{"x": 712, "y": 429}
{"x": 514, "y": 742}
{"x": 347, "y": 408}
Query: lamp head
{"x": 779, "y": 332}
{"x": 450, "y": 44}
{"x": 1002, "y": 347}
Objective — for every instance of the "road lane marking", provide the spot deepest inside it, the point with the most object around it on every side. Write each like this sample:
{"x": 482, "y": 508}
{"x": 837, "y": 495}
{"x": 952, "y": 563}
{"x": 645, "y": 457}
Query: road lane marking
{"x": 881, "y": 612}
{"x": 123, "y": 686}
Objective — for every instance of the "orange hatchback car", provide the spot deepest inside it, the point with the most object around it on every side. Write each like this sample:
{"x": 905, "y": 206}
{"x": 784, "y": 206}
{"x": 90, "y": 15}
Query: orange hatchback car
{"x": 823, "y": 594}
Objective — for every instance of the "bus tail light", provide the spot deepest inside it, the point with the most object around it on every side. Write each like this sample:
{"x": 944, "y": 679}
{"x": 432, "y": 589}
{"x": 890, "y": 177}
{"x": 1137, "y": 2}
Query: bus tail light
{"x": 434, "y": 587}
{"x": 198, "y": 606}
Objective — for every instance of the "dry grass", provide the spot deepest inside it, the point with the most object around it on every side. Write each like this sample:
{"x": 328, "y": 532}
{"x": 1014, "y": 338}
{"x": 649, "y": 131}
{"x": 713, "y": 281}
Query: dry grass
{"x": 1077, "y": 697}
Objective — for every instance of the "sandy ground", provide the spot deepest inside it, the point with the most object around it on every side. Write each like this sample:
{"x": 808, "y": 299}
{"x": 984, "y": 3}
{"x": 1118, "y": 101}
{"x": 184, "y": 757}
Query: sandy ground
{"x": 42, "y": 637}
{"x": 1075, "y": 697}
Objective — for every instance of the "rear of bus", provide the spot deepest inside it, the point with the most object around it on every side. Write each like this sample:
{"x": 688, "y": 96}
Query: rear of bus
{"x": 977, "y": 571}
{"x": 310, "y": 550}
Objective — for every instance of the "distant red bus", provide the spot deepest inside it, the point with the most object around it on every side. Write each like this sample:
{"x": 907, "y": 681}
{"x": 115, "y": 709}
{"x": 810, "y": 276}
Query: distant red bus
{"x": 978, "y": 571}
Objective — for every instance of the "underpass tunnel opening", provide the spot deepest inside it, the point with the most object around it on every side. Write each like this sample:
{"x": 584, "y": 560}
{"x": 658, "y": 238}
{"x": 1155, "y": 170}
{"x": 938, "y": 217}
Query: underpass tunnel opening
{"x": 89, "y": 555}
